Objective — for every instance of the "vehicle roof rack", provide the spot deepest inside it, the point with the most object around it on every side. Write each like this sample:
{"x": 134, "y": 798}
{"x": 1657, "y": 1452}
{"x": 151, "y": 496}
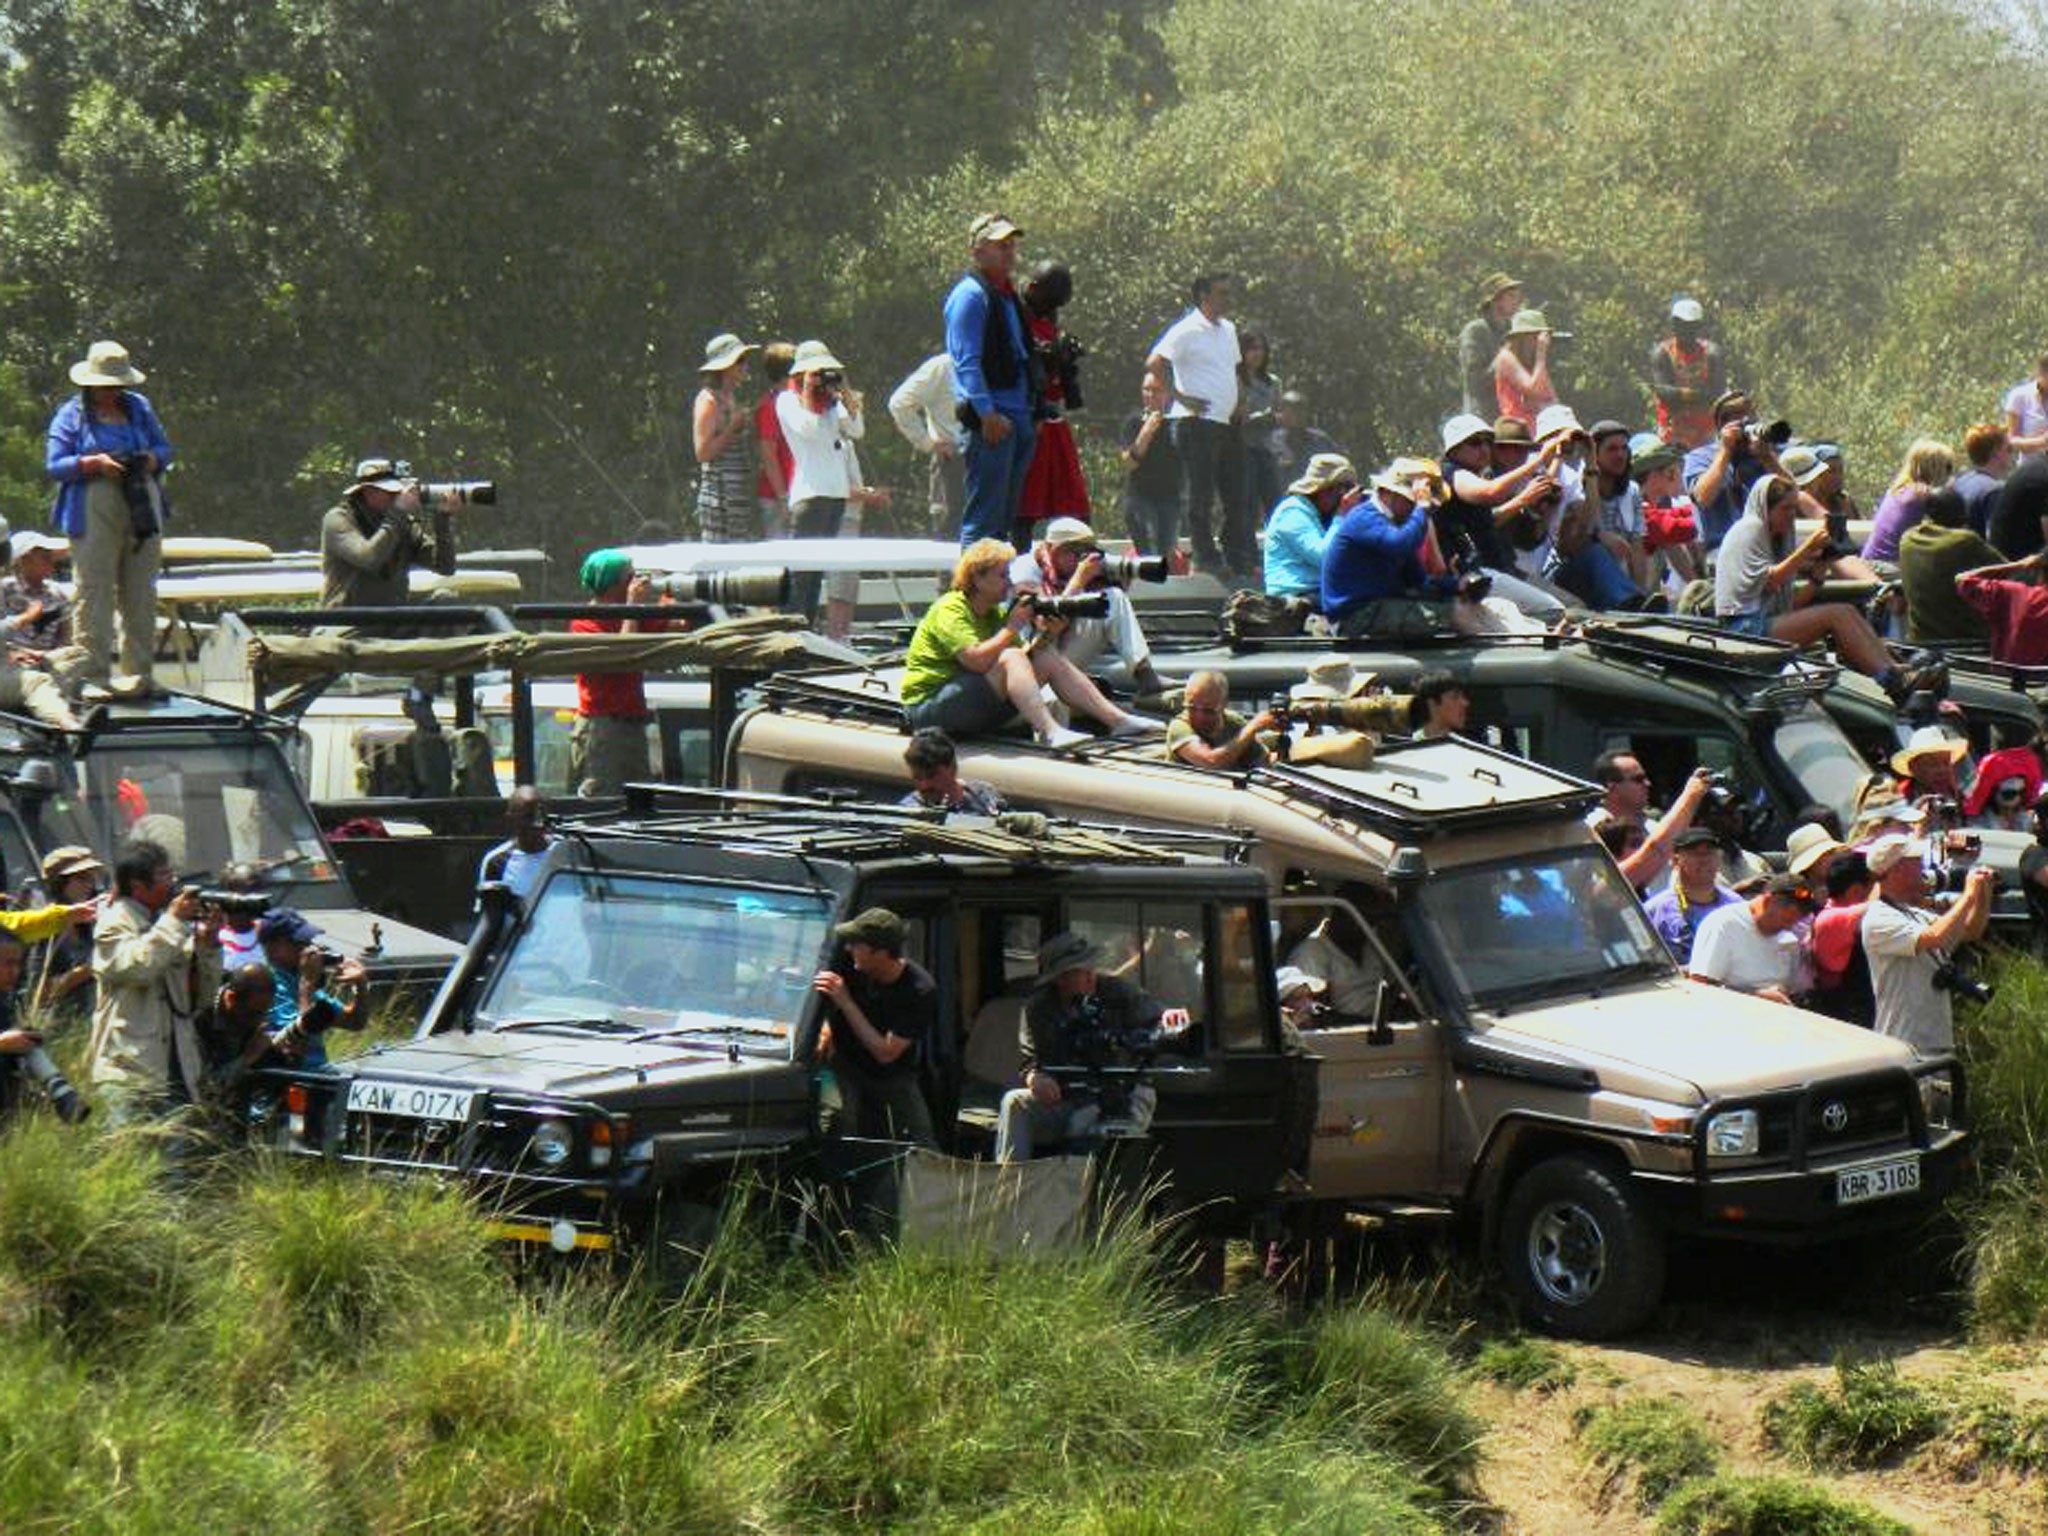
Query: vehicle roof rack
{"x": 864, "y": 831}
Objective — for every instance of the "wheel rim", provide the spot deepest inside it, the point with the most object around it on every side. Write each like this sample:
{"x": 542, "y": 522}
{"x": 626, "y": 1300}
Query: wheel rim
{"x": 1567, "y": 1253}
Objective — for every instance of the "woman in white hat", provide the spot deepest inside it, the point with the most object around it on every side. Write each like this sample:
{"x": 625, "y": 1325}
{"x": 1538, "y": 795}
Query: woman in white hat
{"x": 719, "y": 423}
{"x": 107, "y": 452}
{"x": 1521, "y": 368}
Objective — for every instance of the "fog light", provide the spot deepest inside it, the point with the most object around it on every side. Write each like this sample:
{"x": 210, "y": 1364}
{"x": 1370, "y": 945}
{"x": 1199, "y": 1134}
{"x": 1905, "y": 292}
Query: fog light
{"x": 552, "y": 1143}
{"x": 562, "y": 1237}
{"x": 1734, "y": 1134}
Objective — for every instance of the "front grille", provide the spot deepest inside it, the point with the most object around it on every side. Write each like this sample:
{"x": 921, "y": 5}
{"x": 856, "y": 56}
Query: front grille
{"x": 1863, "y": 1115}
{"x": 1827, "y": 1121}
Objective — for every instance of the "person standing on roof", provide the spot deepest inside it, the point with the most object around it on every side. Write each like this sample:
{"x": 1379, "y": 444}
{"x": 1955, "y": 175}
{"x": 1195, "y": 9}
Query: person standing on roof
{"x": 987, "y": 340}
{"x": 720, "y": 437}
{"x": 1481, "y": 340}
{"x": 608, "y": 746}
{"x": 107, "y": 453}
{"x": 1687, "y": 375}
{"x": 922, "y": 408}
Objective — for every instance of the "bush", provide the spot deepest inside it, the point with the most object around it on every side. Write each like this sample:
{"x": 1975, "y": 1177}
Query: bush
{"x": 2005, "y": 1048}
{"x": 91, "y": 1246}
{"x": 1657, "y": 1440}
{"x": 1525, "y": 1364}
{"x": 1368, "y": 1377}
{"x": 1871, "y": 1417}
{"x": 1769, "y": 1506}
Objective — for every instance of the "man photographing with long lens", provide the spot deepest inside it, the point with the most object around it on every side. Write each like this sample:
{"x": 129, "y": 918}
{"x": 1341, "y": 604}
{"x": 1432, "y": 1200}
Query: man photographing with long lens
{"x": 1067, "y": 562}
{"x": 371, "y": 540}
{"x": 608, "y": 745}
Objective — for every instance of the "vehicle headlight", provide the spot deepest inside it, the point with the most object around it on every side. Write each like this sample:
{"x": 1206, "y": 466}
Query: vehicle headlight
{"x": 1733, "y": 1134}
{"x": 1938, "y": 1099}
{"x": 552, "y": 1142}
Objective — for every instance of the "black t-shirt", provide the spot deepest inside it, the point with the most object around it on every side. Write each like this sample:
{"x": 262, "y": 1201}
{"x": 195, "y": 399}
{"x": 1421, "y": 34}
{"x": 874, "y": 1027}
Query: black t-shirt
{"x": 1472, "y": 522}
{"x": 1158, "y": 473}
{"x": 907, "y": 1008}
{"x": 2016, "y": 519}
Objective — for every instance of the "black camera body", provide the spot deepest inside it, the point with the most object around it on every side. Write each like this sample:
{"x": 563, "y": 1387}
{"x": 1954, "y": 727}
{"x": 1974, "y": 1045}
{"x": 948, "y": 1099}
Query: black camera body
{"x": 1081, "y": 605}
{"x": 1952, "y": 977}
{"x": 1473, "y": 581}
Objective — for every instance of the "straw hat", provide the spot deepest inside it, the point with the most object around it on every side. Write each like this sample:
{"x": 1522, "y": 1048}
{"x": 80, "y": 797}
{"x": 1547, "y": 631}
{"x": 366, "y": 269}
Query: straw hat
{"x": 106, "y": 366}
{"x": 1329, "y": 677}
{"x": 1400, "y": 476}
{"x": 1323, "y": 471}
{"x": 815, "y": 357}
{"x": 722, "y": 351}
{"x": 1808, "y": 846}
{"x": 1928, "y": 741}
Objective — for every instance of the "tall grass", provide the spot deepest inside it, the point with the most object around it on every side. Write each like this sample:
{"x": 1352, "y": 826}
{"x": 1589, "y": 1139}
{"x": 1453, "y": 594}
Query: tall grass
{"x": 275, "y": 1346}
{"x": 2004, "y": 1046}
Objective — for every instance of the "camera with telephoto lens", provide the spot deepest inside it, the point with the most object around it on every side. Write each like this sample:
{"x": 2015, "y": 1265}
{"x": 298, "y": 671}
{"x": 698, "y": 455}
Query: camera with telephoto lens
{"x": 230, "y": 902}
{"x": 767, "y": 588}
{"x": 465, "y": 493}
{"x": 1473, "y": 581}
{"x": 1081, "y": 605}
{"x": 1126, "y": 566}
{"x": 1379, "y": 714}
{"x": 1954, "y": 978}
{"x": 64, "y": 1098}
{"x": 1776, "y": 433}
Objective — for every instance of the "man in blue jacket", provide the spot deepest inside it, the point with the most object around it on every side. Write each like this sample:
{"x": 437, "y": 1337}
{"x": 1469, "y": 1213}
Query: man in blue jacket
{"x": 1375, "y": 555}
{"x": 986, "y": 338}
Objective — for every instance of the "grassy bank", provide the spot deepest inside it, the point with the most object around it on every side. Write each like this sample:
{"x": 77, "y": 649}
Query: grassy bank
{"x": 272, "y": 1345}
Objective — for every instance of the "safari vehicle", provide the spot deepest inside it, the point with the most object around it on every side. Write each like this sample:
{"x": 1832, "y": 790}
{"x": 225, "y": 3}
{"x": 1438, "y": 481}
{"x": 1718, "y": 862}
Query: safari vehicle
{"x": 605, "y": 1064}
{"x": 212, "y": 784}
{"x": 1517, "y": 1050}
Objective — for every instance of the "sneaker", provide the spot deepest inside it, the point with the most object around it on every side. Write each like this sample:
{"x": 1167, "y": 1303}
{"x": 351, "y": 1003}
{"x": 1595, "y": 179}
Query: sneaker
{"x": 1138, "y": 725}
{"x": 1060, "y": 738}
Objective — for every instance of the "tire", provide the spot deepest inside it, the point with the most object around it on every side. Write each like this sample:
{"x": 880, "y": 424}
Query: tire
{"x": 1582, "y": 1254}
{"x": 678, "y": 1238}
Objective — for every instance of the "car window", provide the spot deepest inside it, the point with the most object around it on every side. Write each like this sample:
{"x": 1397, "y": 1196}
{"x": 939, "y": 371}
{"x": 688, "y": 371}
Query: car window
{"x": 1241, "y": 1017}
{"x": 1157, "y": 945}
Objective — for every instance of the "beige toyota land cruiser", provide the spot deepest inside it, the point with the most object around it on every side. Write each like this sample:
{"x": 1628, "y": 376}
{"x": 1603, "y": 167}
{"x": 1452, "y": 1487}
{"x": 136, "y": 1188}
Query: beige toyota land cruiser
{"x": 1511, "y": 1042}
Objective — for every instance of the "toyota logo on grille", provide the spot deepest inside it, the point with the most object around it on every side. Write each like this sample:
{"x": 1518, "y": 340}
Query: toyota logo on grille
{"x": 1834, "y": 1117}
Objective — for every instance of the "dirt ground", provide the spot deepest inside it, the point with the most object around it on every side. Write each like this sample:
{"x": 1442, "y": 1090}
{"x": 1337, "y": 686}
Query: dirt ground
{"x": 1740, "y": 1328}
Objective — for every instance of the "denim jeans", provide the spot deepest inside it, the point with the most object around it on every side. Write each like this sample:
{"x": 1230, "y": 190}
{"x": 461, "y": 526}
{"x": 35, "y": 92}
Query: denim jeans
{"x": 1212, "y": 469}
{"x": 995, "y": 481}
{"x": 1153, "y": 522}
{"x": 817, "y": 517}
{"x": 1595, "y": 577}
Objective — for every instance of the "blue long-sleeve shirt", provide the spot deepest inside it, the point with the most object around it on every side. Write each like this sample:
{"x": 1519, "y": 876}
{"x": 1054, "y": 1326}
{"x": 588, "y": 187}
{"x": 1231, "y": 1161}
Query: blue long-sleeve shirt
{"x": 966, "y": 324}
{"x": 74, "y": 434}
{"x": 1296, "y": 537}
{"x": 1370, "y": 556}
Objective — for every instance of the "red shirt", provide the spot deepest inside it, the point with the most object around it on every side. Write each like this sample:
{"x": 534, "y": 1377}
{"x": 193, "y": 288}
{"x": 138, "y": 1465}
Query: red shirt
{"x": 616, "y": 695}
{"x": 2017, "y": 612}
{"x": 1834, "y": 941}
{"x": 769, "y": 430}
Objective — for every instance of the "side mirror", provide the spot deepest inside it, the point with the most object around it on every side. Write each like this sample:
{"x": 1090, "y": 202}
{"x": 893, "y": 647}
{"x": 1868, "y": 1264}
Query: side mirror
{"x": 1382, "y": 1031}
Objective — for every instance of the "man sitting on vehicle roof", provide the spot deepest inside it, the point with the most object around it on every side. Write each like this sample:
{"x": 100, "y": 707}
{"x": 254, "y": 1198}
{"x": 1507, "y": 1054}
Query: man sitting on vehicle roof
{"x": 1300, "y": 526}
{"x": 371, "y": 539}
{"x": 1080, "y": 1020}
{"x": 1209, "y": 735}
{"x": 934, "y": 764}
{"x": 1066, "y": 562}
{"x": 608, "y": 746}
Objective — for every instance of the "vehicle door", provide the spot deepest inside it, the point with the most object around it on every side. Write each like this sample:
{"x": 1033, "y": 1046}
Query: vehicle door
{"x": 1379, "y": 1116}
{"x": 1226, "y": 1105}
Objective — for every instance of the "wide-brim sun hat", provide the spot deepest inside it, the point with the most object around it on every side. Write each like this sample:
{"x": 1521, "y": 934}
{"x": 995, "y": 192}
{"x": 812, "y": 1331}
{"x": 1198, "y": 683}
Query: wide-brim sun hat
{"x": 1322, "y": 471}
{"x": 815, "y": 357}
{"x": 1528, "y": 322}
{"x": 1067, "y": 532}
{"x": 1496, "y": 284}
{"x": 1553, "y": 419}
{"x": 722, "y": 351}
{"x": 377, "y": 475}
{"x": 1808, "y": 845}
{"x": 1065, "y": 952}
{"x": 1928, "y": 741}
{"x": 106, "y": 365}
{"x": 1462, "y": 428}
{"x": 1329, "y": 677}
{"x": 1399, "y": 477}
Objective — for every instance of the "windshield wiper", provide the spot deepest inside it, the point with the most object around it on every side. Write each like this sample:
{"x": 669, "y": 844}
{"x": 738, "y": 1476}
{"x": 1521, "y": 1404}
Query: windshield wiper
{"x": 732, "y": 1027}
{"x": 601, "y": 1026}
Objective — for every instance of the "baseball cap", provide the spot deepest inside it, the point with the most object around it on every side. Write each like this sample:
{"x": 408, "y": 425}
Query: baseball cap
{"x": 1887, "y": 853}
{"x": 1291, "y": 978}
{"x": 284, "y": 923}
{"x": 1696, "y": 837}
{"x": 1687, "y": 311}
{"x": 1790, "y": 887}
{"x": 991, "y": 226}
{"x": 877, "y": 927}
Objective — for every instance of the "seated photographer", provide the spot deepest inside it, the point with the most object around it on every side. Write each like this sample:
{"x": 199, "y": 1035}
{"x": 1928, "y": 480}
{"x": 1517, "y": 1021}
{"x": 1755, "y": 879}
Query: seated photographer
{"x": 1765, "y": 585}
{"x": 1299, "y": 528}
{"x": 21, "y": 1050}
{"x": 968, "y": 670}
{"x": 1572, "y": 554}
{"x": 1066, "y": 562}
{"x": 314, "y": 992}
{"x": 1911, "y": 943}
{"x": 235, "y": 1034}
{"x": 1754, "y": 946}
{"x": 881, "y": 1010}
{"x": 371, "y": 539}
{"x": 1486, "y": 508}
{"x": 1207, "y": 734}
{"x": 935, "y": 782}
{"x": 35, "y": 607}
{"x": 107, "y": 453}
{"x": 1078, "y": 1018}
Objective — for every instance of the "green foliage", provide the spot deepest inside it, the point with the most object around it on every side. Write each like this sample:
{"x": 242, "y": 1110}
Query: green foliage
{"x": 1871, "y": 1417}
{"x": 1769, "y": 1506}
{"x": 2004, "y": 1046}
{"x": 1525, "y": 1364}
{"x": 1371, "y": 1378}
{"x": 1658, "y": 1441}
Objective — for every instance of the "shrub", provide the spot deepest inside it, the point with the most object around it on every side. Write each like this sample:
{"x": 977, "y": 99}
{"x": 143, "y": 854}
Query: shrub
{"x": 1657, "y": 1440}
{"x": 1872, "y": 1416}
{"x": 91, "y": 1246}
{"x": 1524, "y": 1364}
{"x": 1769, "y": 1506}
{"x": 1368, "y": 1377}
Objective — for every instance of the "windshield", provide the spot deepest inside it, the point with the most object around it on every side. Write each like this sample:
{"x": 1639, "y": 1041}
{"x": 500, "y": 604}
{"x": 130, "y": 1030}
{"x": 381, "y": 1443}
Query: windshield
{"x": 213, "y": 804}
{"x": 1825, "y": 761}
{"x": 645, "y": 954}
{"x": 1545, "y": 924}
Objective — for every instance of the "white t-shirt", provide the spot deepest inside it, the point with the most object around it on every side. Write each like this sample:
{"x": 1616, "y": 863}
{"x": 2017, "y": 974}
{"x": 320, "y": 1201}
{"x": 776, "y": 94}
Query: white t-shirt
{"x": 1730, "y": 949}
{"x": 2023, "y": 402}
{"x": 820, "y": 447}
{"x": 1571, "y": 490}
{"x": 1902, "y": 977}
{"x": 1204, "y": 355}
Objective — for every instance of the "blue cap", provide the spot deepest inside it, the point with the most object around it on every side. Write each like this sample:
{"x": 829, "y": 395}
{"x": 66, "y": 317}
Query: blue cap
{"x": 284, "y": 923}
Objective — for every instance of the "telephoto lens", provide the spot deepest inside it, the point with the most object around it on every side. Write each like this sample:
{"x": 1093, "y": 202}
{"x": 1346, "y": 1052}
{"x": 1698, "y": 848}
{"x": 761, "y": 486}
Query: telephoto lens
{"x": 1083, "y": 605}
{"x": 1127, "y": 566}
{"x": 467, "y": 493}
{"x": 64, "y": 1098}
{"x": 768, "y": 588}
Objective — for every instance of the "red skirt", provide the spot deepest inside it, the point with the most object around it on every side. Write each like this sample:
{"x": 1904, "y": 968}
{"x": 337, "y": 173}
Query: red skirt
{"x": 1054, "y": 485}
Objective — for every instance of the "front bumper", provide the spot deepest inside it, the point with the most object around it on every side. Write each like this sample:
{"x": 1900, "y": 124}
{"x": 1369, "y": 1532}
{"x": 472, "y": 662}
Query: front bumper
{"x": 1797, "y": 1205}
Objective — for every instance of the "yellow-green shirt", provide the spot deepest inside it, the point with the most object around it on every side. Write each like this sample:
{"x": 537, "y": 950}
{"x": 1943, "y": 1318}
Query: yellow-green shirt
{"x": 948, "y": 628}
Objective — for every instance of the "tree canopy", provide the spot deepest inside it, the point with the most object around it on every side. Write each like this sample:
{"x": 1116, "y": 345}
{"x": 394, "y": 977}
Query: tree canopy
{"x": 494, "y": 239}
